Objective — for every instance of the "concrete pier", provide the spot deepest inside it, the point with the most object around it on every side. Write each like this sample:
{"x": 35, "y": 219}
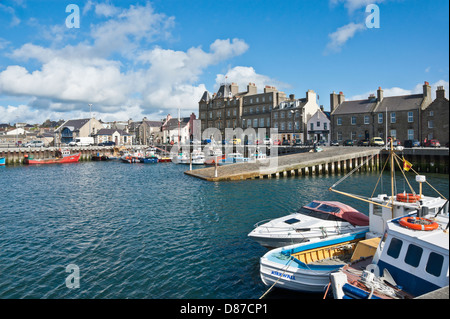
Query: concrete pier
{"x": 330, "y": 160}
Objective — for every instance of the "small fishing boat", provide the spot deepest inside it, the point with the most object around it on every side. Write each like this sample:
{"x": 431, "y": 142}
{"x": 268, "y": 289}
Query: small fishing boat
{"x": 2, "y": 161}
{"x": 316, "y": 220}
{"x": 129, "y": 158}
{"x": 149, "y": 160}
{"x": 62, "y": 157}
{"x": 99, "y": 157}
{"x": 412, "y": 259}
{"x": 164, "y": 159}
{"x": 306, "y": 267}
{"x": 180, "y": 158}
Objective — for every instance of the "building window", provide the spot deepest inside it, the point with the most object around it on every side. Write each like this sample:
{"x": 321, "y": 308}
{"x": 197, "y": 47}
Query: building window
{"x": 290, "y": 126}
{"x": 275, "y": 125}
{"x": 410, "y": 134}
{"x": 339, "y": 136}
{"x": 325, "y": 126}
{"x": 430, "y": 114}
{"x": 318, "y": 124}
{"x": 353, "y": 136}
{"x": 311, "y": 127}
{"x": 366, "y": 119}
{"x": 380, "y": 118}
{"x": 257, "y": 100}
{"x": 393, "y": 117}
{"x": 297, "y": 125}
{"x": 339, "y": 121}
{"x": 430, "y": 124}
{"x": 275, "y": 115}
{"x": 255, "y": 122}
{"x": 261, "y": 122}
{"x": 282, "y": 115}
{"x": 228, "y": 113}
{"x": 268, "y": 121}
{"x": 210, "y": 115}
{"x": 234, "y": 112}
{"x": 251, "y": 110}
{"x": 410, "y": 117}
{"x": 394, "y": 134}
{"x": 353, "y": 120}
{"x": 251, "y": 101}
{"x": 283, "y": 126}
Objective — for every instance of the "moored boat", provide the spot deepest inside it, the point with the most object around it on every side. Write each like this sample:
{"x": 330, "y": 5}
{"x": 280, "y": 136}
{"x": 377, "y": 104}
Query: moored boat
{"x": 149, "y": 160}
{"x": 306, "y": 267}
{"x": 62, "y": 157}
{"x": 2, "y": 161}
{"x": 233, "y": 158}
{"x": 316, "y": 220}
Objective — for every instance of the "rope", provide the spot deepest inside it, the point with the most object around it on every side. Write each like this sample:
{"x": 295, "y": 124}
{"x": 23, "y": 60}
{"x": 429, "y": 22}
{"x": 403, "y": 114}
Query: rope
{"x": 287, "y": 266}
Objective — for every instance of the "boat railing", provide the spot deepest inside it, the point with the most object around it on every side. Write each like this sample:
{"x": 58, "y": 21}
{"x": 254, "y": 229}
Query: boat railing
{"x": 323, "y": 229}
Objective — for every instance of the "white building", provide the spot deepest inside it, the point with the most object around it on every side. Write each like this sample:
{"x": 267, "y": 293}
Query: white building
{"x": 319, "y": 127}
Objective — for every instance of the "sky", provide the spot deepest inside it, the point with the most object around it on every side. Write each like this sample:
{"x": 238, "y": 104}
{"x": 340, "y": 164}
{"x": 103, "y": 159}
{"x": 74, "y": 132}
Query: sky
{"x": 125, "y": 60}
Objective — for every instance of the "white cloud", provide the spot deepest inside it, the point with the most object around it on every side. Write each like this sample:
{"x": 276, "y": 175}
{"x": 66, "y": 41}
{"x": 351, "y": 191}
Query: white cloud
{"x": 137, "y": 81}
{"x": 342, "y": 35}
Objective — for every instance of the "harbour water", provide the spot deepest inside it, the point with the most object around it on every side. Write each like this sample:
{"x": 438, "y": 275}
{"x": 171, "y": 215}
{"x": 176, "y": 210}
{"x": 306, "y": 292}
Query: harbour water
{"x": 148, "y": 231}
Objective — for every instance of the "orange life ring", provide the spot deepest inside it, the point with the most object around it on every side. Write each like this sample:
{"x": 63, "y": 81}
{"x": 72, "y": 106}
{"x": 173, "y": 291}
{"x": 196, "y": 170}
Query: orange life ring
{"x": 407, "y": 198}
{"x": 418, "y": 223}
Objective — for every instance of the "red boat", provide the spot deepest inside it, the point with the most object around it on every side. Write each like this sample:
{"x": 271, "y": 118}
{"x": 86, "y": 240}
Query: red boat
{"x": 71, "y": 158}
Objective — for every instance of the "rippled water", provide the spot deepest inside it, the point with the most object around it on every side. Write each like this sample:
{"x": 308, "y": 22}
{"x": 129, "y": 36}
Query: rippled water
{"x": 144, "y": 231}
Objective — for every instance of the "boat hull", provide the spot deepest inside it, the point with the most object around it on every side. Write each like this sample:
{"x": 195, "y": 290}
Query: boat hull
{"x": 63, "y": 160}
{"x": 149, "y": 160}
{"x": 2, "y": 161}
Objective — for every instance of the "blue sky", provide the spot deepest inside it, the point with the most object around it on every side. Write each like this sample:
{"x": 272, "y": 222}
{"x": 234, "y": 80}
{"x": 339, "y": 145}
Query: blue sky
{"x": 131, "y": 59}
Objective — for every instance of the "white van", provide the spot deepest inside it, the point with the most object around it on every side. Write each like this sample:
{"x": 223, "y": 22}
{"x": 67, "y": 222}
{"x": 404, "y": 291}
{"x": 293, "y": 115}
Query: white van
{"x": 82, "y": 141}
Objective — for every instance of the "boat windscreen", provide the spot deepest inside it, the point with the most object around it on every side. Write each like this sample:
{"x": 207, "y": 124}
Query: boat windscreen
{"x": 291, "y": 221}
{"x": 313, "y": 205}
{"x": 329, "y": 209}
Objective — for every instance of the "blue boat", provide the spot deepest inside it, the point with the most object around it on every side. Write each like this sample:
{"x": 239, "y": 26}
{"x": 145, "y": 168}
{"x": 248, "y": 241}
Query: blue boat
{"x": 2, "y": 161}
{"x": 149, "y": 160}
{"x": 306, "y": 267}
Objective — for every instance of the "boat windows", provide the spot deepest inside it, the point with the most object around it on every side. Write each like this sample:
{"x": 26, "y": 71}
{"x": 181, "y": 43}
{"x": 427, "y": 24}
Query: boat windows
{"x": 329, "y": 209}
{"x": 434, "y": 265}
{"x": 292, "y": 221}
{"x": 320, "y": 215}
{"x": 313, "y": 205}
{"x": 413, "y": 255}
{"x": 394, "y": 248}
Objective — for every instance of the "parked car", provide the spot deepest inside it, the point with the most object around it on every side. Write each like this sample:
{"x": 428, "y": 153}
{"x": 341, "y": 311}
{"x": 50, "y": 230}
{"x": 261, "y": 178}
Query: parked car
{"x": 268, "y": 141}
{"x": 376, "y": 141}
{"x": 411, "y": 143}
{"x": 107, "y": 143}
{"x": 298, "y": 142}
{"x": 34, "y": 144}
{"x": 334, "y": 143}
{"x": 432, "y": 143}
{"x": 348, "y": 143}
{"x": 286, "y": 142}
{"x": 364, "y": 143}
{"x": 276, "y": 142}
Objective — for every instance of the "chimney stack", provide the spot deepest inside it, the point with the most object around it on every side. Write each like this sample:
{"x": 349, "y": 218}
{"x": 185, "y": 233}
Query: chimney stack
{"x": 427, "y": 91}
{"x": 292, "y": 97}
{"x": 440, "y": 93}
{"x": 333, "y": 101}
{"x": 380, "y": 94}
{"x": 341, "y": 98}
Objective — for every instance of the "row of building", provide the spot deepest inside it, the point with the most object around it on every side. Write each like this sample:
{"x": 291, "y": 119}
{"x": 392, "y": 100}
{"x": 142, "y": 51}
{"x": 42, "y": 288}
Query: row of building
{"x": 145, "y": 132}
{"x": 405, "y": 117}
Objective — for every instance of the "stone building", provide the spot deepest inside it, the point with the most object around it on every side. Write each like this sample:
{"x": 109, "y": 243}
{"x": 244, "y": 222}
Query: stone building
{"x": 435, "y": 123}
{"x": 395, "y": 116}
{"x": 72, "y": 129}
{"x": 291, "y": 116}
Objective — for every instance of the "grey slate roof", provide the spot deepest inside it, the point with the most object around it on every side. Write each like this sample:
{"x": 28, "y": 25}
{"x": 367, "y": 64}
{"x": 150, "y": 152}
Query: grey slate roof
{"x": 75, "y": 125}
{"x": 400, "y": 103}
{"x": 359, "y": 106}
{"x": 206, "y": 97}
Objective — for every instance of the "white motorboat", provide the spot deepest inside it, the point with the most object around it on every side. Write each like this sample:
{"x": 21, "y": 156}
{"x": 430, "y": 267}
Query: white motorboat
{"x": 198, "y": 157}
{"x": 232, "y": 158}
{"x": 317, "y": 220}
